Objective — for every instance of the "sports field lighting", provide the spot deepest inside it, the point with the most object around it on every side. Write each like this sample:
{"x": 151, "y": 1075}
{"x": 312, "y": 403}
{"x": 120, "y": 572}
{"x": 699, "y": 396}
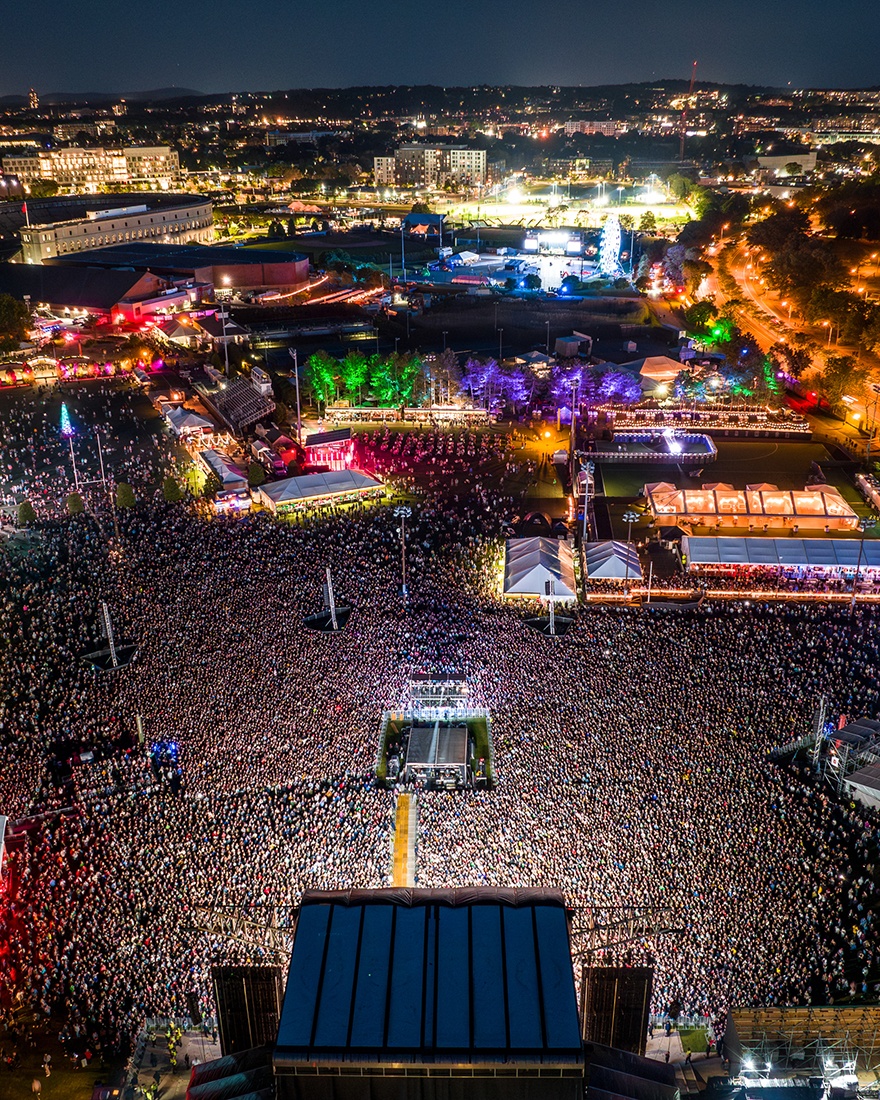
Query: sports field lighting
{"x": 403, "y": 512}
{"x": 629, "y": 518}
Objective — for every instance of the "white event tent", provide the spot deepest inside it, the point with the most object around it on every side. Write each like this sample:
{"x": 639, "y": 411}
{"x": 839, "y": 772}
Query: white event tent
{"x": 530, "y": 563}
{"x": 612, "y": 561}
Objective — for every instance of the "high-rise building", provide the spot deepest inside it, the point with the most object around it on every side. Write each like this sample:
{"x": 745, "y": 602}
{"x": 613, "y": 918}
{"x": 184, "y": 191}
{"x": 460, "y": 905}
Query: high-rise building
{"x": 33, "y": 99}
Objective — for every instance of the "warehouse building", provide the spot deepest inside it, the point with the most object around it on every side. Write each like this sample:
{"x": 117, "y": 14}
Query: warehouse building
{"x": 224, "y": 267}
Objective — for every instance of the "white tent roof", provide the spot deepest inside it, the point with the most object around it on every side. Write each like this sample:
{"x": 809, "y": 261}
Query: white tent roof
{"x": 657, "y": 368}
{"x": 786, "y": 553}
{"x": 612, "y": 561}
{"x": 308, "y": 486}
{"x": 530, "y": 563}
{"x": 182, "y": 420}
{"x": 229, "y": 474}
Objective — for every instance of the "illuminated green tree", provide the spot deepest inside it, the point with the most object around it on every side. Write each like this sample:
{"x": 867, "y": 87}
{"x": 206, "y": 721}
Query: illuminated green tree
{"x": 320, "y": 373}
{"x": 14, "y": 320}
{"x": 75, "y": 505}
{"x": 125, "y": 497}
{"x": 26, "y": 514}
{"x": 171, "y": 490}
{"x": 354, "y": 372}
{"x": 256, "y": 475}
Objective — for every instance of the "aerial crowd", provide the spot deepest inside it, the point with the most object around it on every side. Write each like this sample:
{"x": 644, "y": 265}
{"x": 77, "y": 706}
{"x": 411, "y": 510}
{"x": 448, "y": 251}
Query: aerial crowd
{"x": 631, "y": 758}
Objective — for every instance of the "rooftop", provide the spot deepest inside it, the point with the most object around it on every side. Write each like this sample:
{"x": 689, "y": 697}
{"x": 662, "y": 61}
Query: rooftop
{"x": 180, "y": 256}
{"x": 470, "y": 975}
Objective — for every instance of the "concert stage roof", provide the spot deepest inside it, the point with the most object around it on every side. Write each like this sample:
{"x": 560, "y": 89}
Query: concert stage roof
{"x": 438, "y": 983}
{"x": 448, "y": 747}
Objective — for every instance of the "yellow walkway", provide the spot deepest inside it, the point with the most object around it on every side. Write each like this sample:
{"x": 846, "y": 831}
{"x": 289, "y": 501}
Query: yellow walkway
{"x": 403, "y": 871}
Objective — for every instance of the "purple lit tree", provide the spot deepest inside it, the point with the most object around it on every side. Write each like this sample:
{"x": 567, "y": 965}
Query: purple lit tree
{"x": 620, "y": 387}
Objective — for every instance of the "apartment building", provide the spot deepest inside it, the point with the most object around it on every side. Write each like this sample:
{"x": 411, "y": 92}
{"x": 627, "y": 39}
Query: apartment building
{"x": 91, "y": 169}
{"x": 606, "y": 127}
{"x": 431, "y": 166}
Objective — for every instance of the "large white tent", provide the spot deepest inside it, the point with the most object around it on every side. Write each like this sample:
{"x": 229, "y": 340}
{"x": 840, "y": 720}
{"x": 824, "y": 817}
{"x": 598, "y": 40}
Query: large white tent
{"x": 612, "y": 561}
{"x": 530, "y": 563}
{"x": 184, "y": 422}
{"x": 654, "y": 370}
{"x": 838, "y": 556}
{"x": 312, "y": 490}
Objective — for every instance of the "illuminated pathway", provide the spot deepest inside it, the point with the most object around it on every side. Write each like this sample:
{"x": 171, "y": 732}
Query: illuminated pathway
{"x": 403, "y": 871}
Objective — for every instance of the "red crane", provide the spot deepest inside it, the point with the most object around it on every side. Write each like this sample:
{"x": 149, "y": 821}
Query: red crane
{"x": 683, "y": 122}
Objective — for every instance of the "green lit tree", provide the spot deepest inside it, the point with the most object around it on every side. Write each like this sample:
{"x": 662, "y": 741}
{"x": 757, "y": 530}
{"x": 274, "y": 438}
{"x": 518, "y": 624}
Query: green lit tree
{"x": 14, "y": 321}
{"x": 171, "y": 490}
{"x": 75, "y": 505}
{"x": 125, "y": 497}
{"x": 26, "y": 514}
{"x": 354, "y": 372}
{"x": 211, "y": 487}
{"x": 256, "y": 475}
{"x": 320, "y": 372}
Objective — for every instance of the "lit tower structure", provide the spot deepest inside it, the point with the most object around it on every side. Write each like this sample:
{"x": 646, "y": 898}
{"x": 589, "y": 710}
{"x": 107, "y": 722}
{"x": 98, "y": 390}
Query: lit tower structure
{"x": 33, "y": 100}
{"x": 609, "y": 253}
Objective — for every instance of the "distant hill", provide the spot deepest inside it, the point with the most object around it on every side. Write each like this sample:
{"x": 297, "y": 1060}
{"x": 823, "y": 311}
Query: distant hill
{"x": 81, "y": 98}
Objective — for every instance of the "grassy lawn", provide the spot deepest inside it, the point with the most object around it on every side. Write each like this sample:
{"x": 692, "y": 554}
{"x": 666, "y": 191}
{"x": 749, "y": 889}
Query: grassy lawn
{"x": 693, "y": 1039}
{"x": 65, "y": 1082}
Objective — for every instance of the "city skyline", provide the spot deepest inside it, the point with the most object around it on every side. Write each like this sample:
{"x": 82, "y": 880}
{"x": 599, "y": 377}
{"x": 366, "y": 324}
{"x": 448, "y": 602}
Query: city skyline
{"x": 572, "y": 44}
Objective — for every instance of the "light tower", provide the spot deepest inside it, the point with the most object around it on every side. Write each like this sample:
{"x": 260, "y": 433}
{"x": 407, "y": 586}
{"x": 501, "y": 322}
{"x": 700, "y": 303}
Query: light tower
{"x": 609, "y": 254}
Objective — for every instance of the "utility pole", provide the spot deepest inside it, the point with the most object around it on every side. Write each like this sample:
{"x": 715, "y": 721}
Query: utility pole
{"x": 549, "y": 590}
{"x": 629, "y": 518}
{"x": 108, "y": 628}
{"x": 225, "y": 342}
{"x": 293, "y": 356}
{"x": 331, "y": 600}
{"x": 403, "y": 512}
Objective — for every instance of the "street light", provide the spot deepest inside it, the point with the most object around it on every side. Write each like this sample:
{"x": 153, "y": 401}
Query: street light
{"x": 629, "y": 518}
{"x": 403, "y": 512}
{"x": 500, "y": 345}
{"x": 444, "y": 340}
{"x": 866, "y": 523}
{"x": 548, "y": 337}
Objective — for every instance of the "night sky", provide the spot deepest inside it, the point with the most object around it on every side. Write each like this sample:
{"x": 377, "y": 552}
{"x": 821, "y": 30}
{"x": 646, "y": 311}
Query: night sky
{"x": 230, "y": 45}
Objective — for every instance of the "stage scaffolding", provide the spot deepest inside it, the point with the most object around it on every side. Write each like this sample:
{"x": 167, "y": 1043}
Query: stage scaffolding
{"x": 600, "y": 928}
{"x": 831, "y": 1042}
{"x": 268, "y": 929}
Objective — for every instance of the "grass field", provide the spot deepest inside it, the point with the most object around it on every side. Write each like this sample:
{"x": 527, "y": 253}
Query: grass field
{"x": 693, "y": 1039}
{"x": 65, "y": 1083}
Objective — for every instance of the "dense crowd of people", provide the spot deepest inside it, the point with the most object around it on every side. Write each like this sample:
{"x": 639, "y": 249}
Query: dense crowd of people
{"x": 630, "y": 758}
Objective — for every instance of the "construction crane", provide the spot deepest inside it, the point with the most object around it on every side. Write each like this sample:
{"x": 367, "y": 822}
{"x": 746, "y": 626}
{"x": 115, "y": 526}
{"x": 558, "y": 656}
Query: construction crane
{"x": 684, "y": 110}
